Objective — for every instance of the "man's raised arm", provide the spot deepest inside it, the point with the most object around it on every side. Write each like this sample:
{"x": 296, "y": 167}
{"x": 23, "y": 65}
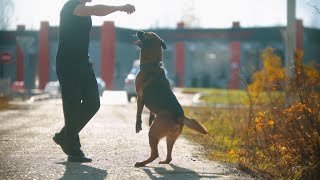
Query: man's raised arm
{"x": 101, "y": 10}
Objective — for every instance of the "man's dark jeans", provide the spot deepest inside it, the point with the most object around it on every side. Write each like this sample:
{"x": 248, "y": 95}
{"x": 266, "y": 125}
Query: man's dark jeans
{"x": 80, "y": 97}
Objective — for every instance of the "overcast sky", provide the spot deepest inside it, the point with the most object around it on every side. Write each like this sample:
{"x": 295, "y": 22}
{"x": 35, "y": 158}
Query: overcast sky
{"x": 166, "y": 13}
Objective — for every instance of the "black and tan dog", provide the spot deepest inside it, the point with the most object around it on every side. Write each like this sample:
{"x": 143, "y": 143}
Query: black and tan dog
{"x": 153, "y": 90}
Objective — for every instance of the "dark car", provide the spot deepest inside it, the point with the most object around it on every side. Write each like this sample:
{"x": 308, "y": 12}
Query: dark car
{"x": 129, "y": 83}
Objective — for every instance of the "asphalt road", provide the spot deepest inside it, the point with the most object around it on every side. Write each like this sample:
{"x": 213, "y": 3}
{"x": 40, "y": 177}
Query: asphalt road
{"x": 28, "y": 152}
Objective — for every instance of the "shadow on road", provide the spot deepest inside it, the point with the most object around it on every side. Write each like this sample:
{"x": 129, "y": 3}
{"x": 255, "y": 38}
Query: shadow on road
{"x": 81, "y": 171}
{"x": 176, "y": 172}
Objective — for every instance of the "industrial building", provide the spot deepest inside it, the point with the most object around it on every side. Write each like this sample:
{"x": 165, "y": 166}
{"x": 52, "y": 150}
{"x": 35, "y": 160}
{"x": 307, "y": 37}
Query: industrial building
{"x": 194, "y": 57}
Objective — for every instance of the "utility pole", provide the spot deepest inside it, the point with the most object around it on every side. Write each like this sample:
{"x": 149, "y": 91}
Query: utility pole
{"x": 291, "y": 36}
{"x": 290, "y": 41}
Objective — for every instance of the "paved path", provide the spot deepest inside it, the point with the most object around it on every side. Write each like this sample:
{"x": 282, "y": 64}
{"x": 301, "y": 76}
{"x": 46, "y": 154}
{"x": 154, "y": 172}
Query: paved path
{"x": 28, "y": 152}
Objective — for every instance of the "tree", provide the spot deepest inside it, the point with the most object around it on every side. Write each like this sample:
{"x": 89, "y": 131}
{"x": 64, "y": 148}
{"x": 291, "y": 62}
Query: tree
{"x": 314, "y": 6}
{"x": 6, "y": 10}
{"x": 188, "y": 14}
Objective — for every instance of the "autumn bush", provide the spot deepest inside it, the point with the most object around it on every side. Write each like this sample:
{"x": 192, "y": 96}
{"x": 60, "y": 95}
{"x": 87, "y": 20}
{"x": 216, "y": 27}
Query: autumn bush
{"x": 4, "y": 102}
{"x": 283, "y": 137}
{"x": 276, "y": 135}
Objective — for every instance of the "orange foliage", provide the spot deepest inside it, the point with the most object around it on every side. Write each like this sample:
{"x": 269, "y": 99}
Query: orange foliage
{"x": 285, "y": 135}
{"x": 269, "y": 76}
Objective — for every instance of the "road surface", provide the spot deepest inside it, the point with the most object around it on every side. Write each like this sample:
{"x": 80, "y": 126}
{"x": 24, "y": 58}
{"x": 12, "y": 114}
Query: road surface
{"x": 28, "y": 152}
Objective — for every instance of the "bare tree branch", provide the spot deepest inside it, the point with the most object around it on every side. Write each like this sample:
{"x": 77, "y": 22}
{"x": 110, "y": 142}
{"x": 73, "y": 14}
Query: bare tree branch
{"x": 314, "y": 6}
{"x": 6, "y": 10}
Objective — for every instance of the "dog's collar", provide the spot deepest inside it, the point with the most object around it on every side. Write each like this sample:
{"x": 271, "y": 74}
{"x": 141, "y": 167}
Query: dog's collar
{"x": 150, "y": 65}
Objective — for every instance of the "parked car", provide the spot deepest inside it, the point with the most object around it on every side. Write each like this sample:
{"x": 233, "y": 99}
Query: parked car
{"x": 53, "y": 87}
{"x": 129, "y": 83}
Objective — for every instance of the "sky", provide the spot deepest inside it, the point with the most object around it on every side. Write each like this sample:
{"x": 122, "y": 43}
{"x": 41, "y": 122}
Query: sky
{"x": 167, "y": 13}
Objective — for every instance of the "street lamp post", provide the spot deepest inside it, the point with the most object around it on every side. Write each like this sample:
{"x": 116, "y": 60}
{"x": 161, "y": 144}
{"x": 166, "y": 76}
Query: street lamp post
{"x": 291, "y": 36}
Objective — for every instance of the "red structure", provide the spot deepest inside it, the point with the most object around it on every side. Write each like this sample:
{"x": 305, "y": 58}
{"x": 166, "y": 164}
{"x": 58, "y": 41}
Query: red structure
{"x": 299, "y": 26}
{"x": 43, "y": 67}
{"x": 19, "y": 58}
{"x": 236, "y": 24}
{"x": 108, "y": 53}
{"x": 180, "y": 60}
{"x": 235, "y": 52}
{"x": 19, "y": 64}
{"x": 180, "y": 25}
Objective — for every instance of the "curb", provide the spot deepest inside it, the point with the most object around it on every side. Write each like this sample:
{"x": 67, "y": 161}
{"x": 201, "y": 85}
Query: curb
{"x": 196, "y": 102}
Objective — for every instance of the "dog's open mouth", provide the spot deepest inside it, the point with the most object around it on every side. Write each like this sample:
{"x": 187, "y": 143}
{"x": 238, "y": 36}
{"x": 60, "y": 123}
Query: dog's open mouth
{"x": 140, "y": 35}
{"x": 138, "y": 43}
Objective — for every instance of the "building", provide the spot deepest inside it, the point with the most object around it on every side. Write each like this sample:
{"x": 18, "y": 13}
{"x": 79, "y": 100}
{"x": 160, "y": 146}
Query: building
{"x": 194, "y": 57}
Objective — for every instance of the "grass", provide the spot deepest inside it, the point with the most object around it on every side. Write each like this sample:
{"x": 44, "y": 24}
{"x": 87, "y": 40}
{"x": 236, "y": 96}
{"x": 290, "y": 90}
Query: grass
{"x": 7, "y": 103}
{"x": 4, "y": 103}
{"x": 219, "y": 96}
{"x": 278, "y": 133}
{"x": 226, "y": 126}
{"x": 230, "y": 131}
{"x": 226, "y": 129}
{"x": 229, "y": 97}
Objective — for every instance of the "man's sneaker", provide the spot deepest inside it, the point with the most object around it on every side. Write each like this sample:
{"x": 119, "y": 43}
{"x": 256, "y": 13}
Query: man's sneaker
{"x": 77, "y": 155}
{"x": 78, "y": 158}
{"x": 58, "y": 139}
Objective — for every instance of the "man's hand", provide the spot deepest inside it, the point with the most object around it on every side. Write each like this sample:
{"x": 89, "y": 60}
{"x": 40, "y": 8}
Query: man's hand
{"x": 128, "y": 8}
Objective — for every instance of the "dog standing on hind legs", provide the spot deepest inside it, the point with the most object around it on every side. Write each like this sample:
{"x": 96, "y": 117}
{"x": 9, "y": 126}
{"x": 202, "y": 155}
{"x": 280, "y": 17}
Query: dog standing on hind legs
{"x": 153, "y": 91}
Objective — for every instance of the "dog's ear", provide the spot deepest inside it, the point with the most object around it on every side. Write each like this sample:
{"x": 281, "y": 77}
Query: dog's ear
{"x": 163, "y": 44}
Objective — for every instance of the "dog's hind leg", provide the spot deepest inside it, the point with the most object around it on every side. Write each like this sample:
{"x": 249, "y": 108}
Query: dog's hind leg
{"x": 170, "y": 143}
{"x": 153, "y": 142}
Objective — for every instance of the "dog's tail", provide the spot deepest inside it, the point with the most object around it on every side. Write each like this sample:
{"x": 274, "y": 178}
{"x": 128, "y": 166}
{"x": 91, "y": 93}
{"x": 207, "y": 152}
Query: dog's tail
{"x": 195, "y": 125}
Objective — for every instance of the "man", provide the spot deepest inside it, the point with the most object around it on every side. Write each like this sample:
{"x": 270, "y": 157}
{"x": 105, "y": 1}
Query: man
{"x": 79, "y": 90}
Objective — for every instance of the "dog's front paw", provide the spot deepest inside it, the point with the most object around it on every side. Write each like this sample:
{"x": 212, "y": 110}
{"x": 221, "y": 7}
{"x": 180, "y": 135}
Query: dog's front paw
{"x": 139, "y": 164}
{"x": 138, "y": 126}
